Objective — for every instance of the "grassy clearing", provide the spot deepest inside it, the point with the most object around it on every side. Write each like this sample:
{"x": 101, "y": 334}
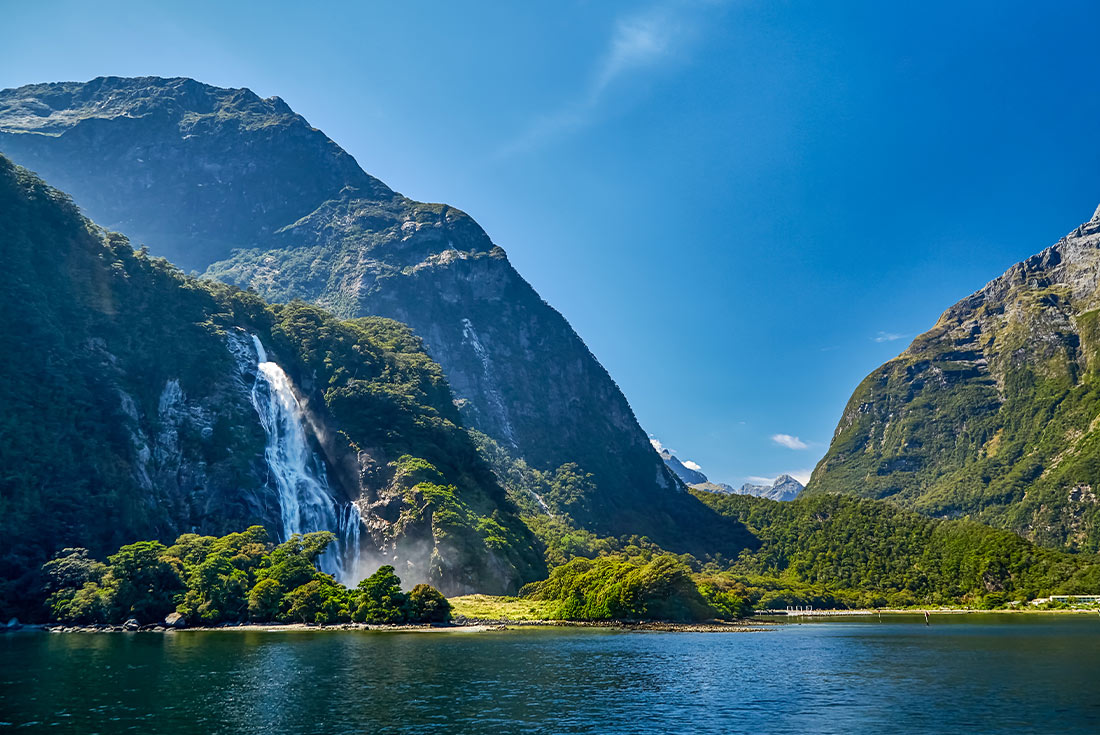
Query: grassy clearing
{"x": 488, "y": 607}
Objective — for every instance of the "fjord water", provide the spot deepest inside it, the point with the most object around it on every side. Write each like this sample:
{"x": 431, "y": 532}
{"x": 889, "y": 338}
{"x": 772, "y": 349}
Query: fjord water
{"x": 988, "y": 674}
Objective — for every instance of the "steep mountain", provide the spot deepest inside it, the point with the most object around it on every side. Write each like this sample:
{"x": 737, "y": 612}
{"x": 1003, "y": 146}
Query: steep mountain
{"x": 686, "y": 474}
{"x": 222, "y": 180}
{"x": 142, "y": 403}
{"x": 992, "y": 414}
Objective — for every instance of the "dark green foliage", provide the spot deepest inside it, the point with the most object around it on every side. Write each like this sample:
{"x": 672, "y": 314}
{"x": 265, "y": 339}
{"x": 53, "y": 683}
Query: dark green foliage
{"x": 71, "y": 569}
{"x": 291, "y": 215}
{"x": 992, "y": 414}
{"x": 425, "y": 603}
{"x": 390, "y": 399}
{"x": 93, "y": 337}
{"x": 380, "y": 598}
{"x": 237, "y": 577}
{"x": 555, "y": 505}
{"x": 304, "y": 603}
{"x": 264, "y": 600}
{"x": 144, "y": 581}
{"x": 622, "y": 588}
{"x": 838, "y": 551}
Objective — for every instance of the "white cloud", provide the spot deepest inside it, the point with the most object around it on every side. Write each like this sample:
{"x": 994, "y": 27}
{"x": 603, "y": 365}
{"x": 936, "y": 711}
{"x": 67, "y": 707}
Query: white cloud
{"x": 639, "y": 41}
{"x": 658, "y": 445}
{"x": 887, "y": 337}
{"x": 757, "y": 480}
{"x": 790, "y": 442}
{"x": 692, "y": 465}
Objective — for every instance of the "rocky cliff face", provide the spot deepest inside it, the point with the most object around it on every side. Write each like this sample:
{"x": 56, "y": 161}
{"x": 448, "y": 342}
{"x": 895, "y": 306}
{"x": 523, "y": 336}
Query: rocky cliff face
{"x": 784, "y": 488}
{"x": 221, "y": 179}
{"x": 993, "y": 413}
{"x": 132, "y": 410}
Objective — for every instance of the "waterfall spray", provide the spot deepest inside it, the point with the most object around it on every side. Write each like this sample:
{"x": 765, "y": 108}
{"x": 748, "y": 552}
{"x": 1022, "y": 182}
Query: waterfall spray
{"x": 306, "y": 503}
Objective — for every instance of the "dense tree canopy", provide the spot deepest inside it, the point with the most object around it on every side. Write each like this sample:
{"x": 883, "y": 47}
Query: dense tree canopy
{"x": 239, "y": 577}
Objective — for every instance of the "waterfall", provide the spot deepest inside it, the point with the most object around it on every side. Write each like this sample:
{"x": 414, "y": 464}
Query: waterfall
{"x": 306, "y": 503}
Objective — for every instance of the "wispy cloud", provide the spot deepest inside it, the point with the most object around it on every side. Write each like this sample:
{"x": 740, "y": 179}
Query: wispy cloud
{"x": 887, "y": 337}
{"x": 639, "y": 41}
{"x": 658, "y": 445}
{"x": 790, "y": 442}
{"x": 692, "y": 465}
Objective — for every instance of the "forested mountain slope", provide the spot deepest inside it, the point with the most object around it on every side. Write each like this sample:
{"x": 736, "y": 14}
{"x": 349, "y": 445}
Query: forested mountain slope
{"x": 140, "y": 403}
{"x": 992, "y": 414}
{"x": 222, "y": 180}
{"x": 832, "y": 550}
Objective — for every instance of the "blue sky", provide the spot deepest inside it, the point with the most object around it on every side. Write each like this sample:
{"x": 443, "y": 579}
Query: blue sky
{"x": 742, "y": 207}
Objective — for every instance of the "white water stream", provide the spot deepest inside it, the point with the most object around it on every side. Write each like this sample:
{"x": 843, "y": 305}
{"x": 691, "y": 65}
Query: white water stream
{"x": 306, "y": 503}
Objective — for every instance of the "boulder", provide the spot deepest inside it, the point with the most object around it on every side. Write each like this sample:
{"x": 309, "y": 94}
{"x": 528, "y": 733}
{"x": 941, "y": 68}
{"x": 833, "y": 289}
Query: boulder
{"x": 175, "y": 620}
{"x": 14, "y": 624}
{"x": 131, "y": 624}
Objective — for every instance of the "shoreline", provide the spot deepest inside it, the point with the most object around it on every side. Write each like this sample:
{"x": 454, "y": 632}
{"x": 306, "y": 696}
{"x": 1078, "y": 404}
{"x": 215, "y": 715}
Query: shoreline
{"x": 869, "y": 612}
{"x": 466, "y": 626}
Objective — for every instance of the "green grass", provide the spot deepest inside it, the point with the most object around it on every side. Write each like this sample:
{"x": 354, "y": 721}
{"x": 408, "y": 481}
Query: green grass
{"x": 488, "y": 607}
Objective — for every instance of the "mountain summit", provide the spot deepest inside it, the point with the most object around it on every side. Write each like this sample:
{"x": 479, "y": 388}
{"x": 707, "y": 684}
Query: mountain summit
{"x": 994, "y": 412}
{"x": 242, "y": 187}
{"x": 782, "y": 488}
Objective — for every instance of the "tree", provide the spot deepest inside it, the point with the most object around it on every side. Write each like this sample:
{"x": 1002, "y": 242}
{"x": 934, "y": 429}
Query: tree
{"x": 216, "y": 590}
{"x": 146, "y": 583}
{"x": 71, "y": 569}
{"x": 426, "y": 604}
{"x": 291, "y": 564}
{"x": 380, "y": 598}
{"x": 265, "y": 600}
{"x": 305, "y": 602}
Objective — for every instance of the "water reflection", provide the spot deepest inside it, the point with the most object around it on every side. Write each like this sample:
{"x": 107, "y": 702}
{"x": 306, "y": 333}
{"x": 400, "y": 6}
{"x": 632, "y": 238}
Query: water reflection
{"x": 987, "y": 675}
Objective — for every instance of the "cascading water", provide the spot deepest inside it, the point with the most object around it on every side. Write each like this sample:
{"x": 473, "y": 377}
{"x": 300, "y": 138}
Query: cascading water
{"x": 305, "y": 499}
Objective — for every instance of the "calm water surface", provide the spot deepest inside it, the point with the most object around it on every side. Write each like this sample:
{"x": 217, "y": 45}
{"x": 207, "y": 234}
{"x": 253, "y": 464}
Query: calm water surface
{"x": 987, "y": 674}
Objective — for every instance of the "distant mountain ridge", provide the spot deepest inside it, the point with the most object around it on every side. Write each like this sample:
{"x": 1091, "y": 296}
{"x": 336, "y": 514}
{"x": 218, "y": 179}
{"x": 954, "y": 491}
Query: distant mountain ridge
{"x": 994, "y": 413}
{"x": 222, "y": 180}
{"x": 686, "y": 474}
{"x": 783, "y": 488}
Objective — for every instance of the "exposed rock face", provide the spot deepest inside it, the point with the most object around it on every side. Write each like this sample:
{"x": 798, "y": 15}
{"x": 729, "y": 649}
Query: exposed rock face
{"x": 244, "y": 167}
{"x": 993, "y": 413}
{"x": 221, "y": 179}
{"x": 128, "y": 394}
{"x": 783, "y": 488}
{"x": 686, "y": 474}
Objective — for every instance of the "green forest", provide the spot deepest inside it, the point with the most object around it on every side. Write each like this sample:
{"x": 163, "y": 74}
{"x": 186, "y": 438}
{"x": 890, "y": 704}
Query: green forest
{"x": 240, "y": 577}
{"x": 838, "y": 551}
